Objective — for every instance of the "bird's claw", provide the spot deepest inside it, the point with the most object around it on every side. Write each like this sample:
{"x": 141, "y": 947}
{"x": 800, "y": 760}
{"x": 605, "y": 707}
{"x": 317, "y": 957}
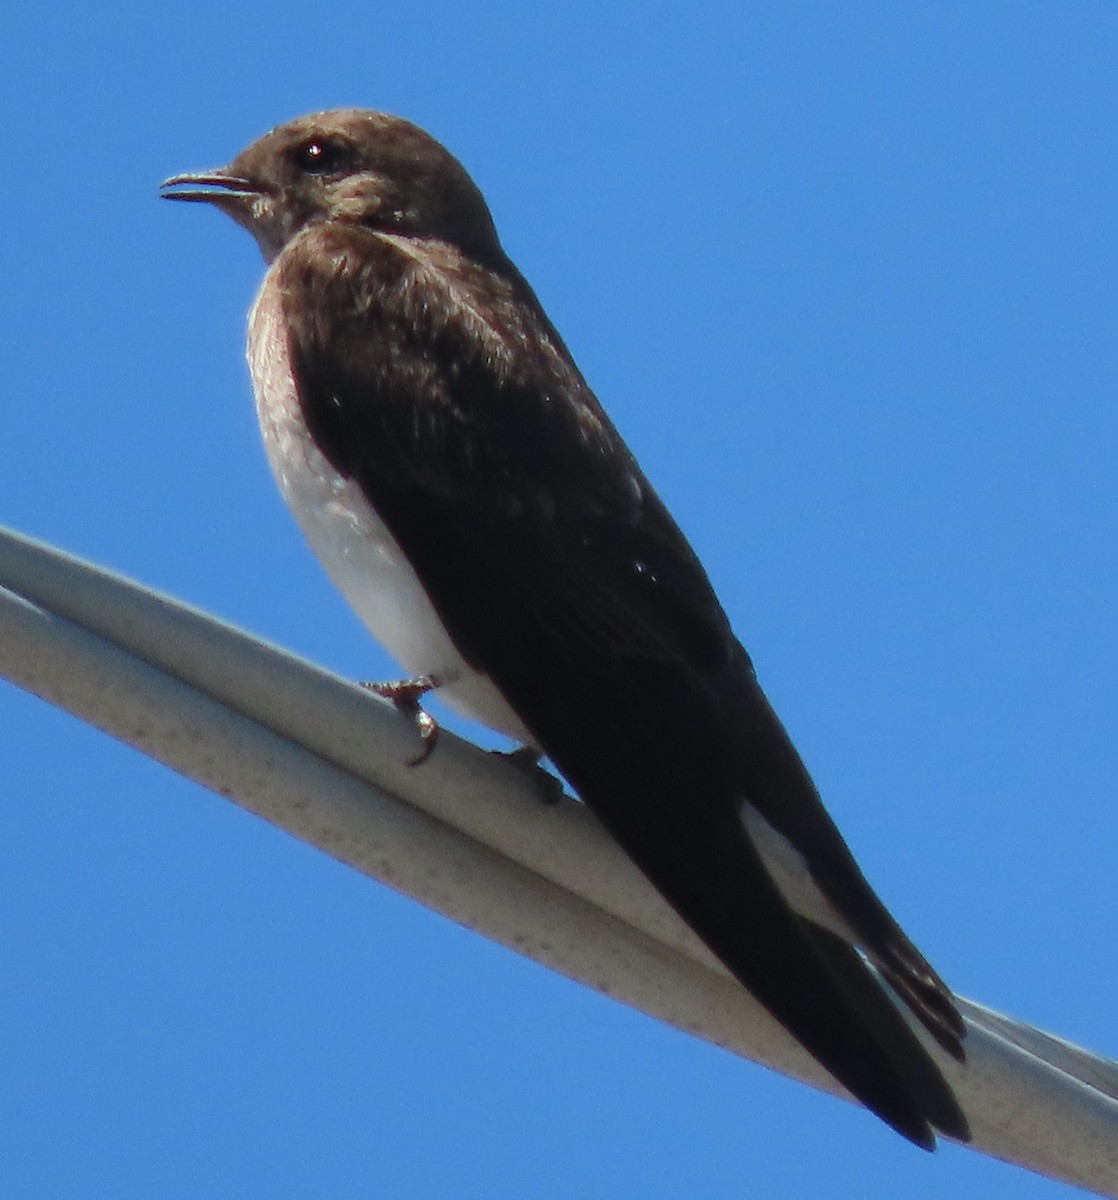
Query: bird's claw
{"x": 405, "y": 695}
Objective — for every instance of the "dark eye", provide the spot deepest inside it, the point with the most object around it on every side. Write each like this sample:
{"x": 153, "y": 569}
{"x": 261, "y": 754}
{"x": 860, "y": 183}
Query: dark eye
{"x": 319, "y": 156}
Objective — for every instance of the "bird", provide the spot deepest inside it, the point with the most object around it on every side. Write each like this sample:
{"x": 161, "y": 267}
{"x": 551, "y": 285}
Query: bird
{"x": 465, "y": 490}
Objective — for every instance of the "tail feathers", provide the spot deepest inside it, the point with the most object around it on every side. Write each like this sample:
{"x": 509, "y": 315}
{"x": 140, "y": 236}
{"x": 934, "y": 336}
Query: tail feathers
{"x": 911, "y": 976}
{"x": 868, "y": 924}
{"x": 779, "y": 791}
{"x": 936, "y": 1102}
{"x": 907, "y": 971}
{"x": 931, "y": 1003}
{"x": 813, "y": 981}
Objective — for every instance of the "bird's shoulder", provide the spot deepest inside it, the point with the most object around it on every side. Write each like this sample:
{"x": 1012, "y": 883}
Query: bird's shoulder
{"x": 413, "y": 336}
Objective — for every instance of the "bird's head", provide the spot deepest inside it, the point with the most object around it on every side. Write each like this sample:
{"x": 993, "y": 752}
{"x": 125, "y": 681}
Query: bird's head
{"x": 350, "y": 165}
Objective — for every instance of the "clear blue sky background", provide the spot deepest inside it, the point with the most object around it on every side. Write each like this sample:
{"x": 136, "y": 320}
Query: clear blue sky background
{"x": 845, "y": 275}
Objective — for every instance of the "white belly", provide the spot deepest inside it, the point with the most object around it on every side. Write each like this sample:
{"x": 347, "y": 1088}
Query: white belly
{"x": 353, "y": 544}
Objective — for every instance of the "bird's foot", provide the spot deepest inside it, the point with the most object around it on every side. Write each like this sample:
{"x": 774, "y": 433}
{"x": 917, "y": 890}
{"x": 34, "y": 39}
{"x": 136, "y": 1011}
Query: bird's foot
{"x": 527, "y": 761}
{"x": 406, "y": 694}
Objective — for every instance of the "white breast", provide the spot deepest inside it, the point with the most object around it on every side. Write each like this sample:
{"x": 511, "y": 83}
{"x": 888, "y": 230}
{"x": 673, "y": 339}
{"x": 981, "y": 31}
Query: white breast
{"x": 353, "y": 544}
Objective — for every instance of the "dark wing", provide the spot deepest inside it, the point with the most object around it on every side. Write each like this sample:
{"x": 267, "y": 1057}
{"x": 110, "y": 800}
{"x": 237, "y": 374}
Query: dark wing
{"x": 442, "y": 389}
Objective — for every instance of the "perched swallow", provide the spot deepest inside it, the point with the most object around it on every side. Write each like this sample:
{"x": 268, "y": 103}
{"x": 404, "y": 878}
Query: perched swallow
{"x": 467, "y": 493}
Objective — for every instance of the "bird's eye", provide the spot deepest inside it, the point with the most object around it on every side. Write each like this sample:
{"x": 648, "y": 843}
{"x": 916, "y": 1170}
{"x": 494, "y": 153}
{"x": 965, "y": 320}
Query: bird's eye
{"x": 318, "y": 156}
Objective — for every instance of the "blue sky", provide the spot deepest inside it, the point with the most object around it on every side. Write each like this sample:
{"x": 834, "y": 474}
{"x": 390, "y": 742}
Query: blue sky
{"x": 845, "y": 276}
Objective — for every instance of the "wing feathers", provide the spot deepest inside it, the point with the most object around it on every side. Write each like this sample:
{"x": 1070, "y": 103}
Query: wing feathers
{"x": 558, "y": 573}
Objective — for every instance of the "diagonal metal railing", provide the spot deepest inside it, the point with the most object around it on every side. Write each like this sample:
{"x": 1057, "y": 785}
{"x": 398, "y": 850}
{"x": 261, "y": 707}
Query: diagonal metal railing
{"x": 465, "y": 835}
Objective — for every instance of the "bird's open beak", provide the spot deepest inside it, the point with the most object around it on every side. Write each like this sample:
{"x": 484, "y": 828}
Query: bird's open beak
{"x": 211, "y": 187}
